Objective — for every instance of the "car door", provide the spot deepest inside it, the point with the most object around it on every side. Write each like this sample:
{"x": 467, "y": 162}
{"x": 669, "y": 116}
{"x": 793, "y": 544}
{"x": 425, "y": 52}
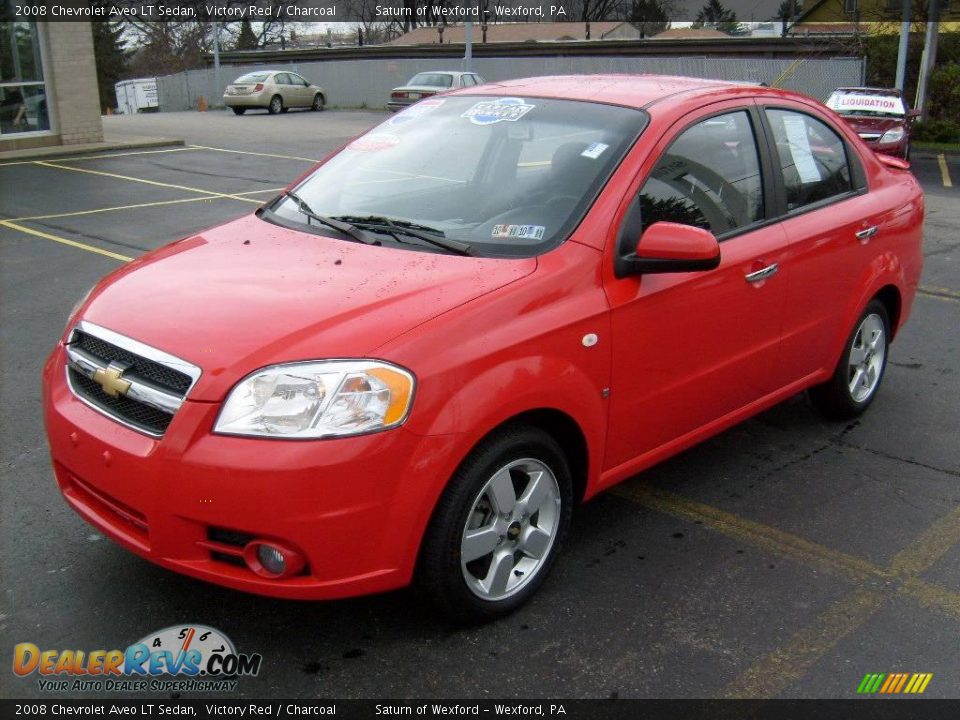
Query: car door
{"x": 829, "y": 220}
{"x": 302, "y": 88}
{"x": 690, "y": 349}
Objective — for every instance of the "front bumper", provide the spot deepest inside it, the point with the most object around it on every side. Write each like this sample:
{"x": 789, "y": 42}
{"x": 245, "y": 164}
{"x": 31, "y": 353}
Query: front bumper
{"x": 896, "y": 149}
{"x": 354, "y": 507}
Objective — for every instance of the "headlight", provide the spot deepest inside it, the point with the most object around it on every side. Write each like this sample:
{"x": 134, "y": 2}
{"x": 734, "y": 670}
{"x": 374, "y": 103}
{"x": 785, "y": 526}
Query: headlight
{"x": 893, "y": 135}
{"x": 77, "y": 305}
{"x": 326, "y": 398}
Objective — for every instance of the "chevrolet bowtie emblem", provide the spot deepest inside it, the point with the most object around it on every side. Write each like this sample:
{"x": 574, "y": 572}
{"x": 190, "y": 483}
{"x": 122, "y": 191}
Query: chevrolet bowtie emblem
{"x": 110, "y": 380}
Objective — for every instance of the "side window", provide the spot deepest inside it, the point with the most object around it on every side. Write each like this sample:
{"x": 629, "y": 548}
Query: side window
{"x": 466, "y": 80}
{"x": 813, "y": 158}
{"x": 709, "y": 177}
{"x": 297, "y": 80}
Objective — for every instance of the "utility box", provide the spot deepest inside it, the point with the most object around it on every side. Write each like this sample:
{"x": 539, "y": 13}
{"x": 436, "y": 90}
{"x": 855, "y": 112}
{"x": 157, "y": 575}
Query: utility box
{"x": 138, "y": 95}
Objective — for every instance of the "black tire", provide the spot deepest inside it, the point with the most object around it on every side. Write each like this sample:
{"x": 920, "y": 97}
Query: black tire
{"x": 276, "y": 105}
{"x": 318, "y": 103}
{"x": 835, "y": 398}
{"x": 440, "y": 572}
{"x": 238, "y": 110}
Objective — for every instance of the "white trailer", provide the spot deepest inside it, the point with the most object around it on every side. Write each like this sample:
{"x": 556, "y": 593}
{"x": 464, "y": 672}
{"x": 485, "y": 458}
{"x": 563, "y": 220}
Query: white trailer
{"x": 135, "y": 96}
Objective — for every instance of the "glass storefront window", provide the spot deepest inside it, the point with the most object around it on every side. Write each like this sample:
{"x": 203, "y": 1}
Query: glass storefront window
{"x": 23, "y": 92}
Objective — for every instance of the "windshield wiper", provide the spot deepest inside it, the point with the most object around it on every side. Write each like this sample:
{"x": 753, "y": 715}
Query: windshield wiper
{"x": 344, "y": 227}
{"x": 405, "y": 227}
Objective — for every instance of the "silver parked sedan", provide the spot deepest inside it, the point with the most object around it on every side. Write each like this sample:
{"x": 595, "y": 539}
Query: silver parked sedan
{"x": 275, "y": 90}
{"x": 430, "y": 83}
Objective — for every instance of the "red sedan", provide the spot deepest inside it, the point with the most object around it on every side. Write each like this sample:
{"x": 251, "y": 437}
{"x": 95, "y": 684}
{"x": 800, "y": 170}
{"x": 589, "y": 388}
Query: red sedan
{"x": 879, "y": 116}
{"x": 413, "y": 363}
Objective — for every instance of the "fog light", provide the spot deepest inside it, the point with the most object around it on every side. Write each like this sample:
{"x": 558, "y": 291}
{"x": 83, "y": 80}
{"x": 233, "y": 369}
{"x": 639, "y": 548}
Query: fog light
{"x": 272, "y": 560}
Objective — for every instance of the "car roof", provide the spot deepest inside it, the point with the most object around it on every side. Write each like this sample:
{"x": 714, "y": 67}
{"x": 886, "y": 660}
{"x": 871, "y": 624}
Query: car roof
{"x": 637, "y": 91}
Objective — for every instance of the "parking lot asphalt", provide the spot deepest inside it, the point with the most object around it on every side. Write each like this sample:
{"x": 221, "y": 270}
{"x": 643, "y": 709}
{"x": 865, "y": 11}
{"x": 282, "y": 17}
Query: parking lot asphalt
{"x": 786, "y": 557}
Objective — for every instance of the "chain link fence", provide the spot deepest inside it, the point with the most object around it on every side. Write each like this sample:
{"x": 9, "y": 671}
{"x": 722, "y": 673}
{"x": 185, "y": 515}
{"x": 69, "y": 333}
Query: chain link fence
{"x": 367, "y": 83}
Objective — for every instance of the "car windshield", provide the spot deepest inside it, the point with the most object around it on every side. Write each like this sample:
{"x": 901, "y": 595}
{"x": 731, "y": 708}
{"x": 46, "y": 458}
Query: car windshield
{"x": 506, "y": 176}
{"x": 866, "y": 103}
{"x": 252, "y": 77}
{"x": 432, "y": 80}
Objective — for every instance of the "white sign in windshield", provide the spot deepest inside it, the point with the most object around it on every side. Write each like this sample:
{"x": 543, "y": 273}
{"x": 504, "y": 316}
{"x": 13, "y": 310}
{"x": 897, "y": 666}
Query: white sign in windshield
{"x": 851, "y": 102}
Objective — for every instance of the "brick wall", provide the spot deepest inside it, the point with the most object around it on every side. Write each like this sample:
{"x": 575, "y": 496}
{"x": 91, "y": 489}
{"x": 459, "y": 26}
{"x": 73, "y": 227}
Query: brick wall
{"x": 71, "y": 75}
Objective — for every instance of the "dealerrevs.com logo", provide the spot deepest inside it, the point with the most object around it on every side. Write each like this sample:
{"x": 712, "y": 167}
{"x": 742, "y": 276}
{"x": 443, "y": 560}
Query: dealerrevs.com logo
{"x": 177, "y": 658}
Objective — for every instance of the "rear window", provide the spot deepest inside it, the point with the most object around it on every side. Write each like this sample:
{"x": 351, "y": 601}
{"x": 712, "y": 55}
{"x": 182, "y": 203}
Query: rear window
{"x": 432, "y": 80}
{"x": 252, "y": 77}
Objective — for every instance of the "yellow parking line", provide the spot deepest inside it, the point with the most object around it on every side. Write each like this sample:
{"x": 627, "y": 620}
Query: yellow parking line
{"x": 944, "y": 171}
{"x": 258, "y": 154}
{"x": 789, "y": 663}
{"x": 939, "y": 293}
{"x": 143, "y": 205}
{"x": 130, "y": 178}
{"x": 65, "y": 241}
{"x": 763, "y": 536}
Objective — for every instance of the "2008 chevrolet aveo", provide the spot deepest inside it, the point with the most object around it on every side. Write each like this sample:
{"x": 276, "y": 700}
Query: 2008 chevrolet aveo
{"x": 495, "y": 304}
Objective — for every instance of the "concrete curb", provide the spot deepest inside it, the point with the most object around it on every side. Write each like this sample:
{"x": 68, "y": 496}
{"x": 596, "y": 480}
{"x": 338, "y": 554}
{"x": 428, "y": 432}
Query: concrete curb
{"x": 108, "y": 144}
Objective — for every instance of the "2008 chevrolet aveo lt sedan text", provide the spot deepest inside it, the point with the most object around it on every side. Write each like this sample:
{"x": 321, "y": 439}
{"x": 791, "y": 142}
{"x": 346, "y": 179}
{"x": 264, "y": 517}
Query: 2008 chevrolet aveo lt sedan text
{"x": 493, "y": 305}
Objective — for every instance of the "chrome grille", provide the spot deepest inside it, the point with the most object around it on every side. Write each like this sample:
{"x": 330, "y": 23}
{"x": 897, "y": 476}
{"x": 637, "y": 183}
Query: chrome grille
{"x": 134, "y": 384}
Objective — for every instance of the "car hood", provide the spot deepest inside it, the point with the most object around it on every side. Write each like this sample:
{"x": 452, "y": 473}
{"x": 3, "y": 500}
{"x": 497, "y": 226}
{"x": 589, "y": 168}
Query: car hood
{"x": 249, "y": 293}
{"x": 872, "y": 124}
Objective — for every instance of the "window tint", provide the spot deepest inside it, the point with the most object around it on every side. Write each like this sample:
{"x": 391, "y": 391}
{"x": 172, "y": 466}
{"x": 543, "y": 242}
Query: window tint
{"x": 813, "y": 158}
{"x": 709, "y": 177}
{"x": 432, "y": 80}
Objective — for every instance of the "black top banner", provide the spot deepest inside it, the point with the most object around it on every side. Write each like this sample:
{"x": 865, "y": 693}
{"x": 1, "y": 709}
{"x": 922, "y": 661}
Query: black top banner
{"x": 411, "y": 13}
{"x": 873, "y": 709}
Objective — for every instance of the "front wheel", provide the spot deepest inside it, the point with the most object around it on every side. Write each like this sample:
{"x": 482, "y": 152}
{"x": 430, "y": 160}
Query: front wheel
{"x": 498, "y": 526}
{"x": 857, "y": 378}
{"x": 317, "y": 103}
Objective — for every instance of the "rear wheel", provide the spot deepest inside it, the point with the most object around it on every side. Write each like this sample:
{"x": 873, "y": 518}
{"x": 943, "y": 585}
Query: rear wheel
{"x": 238, "y": 110}
{"x": 498, "y": 526}
{"x": 857, "y": 378}
{"x": 276, "y": 105}
{"x": 317, "y": 103}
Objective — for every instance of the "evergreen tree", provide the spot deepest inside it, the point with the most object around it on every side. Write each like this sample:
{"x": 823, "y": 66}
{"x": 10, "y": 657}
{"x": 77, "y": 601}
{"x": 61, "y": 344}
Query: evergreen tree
{"x": 649, "y": 17}
{"x": 715, "y": 15}
{"x": 247, "y": 39}
{"x": 109, "y": 49}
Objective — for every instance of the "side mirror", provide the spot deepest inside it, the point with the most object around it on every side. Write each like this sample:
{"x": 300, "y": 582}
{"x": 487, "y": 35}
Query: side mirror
{"x": 667, "y": 247}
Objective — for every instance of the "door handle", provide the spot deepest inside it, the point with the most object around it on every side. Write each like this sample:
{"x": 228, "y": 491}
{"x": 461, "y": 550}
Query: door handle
{"x": 762, "y": 274}
{"x": 865, "y": 235}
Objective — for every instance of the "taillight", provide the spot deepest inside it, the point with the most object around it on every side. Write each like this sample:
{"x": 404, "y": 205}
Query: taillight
{"x": 258, "y": 87}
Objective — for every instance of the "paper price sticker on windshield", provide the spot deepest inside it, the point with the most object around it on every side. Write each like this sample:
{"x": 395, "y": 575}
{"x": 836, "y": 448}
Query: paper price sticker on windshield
{"x": 489, "y": 112}
{"x": 594, "y": 151}
{"x": 522, "y": 232}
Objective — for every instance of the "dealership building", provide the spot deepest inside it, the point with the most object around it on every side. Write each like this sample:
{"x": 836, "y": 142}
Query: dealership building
{"x": 48, "y": 84}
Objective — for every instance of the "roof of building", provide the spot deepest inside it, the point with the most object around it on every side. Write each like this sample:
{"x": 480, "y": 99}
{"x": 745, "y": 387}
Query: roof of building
{"x": 690, "y": 34}
{"x": 509, "y": 32}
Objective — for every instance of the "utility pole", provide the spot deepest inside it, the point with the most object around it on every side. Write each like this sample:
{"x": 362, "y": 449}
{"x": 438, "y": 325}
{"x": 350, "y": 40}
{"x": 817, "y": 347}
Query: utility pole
{"x": 218, "y": 94}
{"x": 904, "y": 45}
{"x": 929, "y": 57}
{"x": 468, "y": 46}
